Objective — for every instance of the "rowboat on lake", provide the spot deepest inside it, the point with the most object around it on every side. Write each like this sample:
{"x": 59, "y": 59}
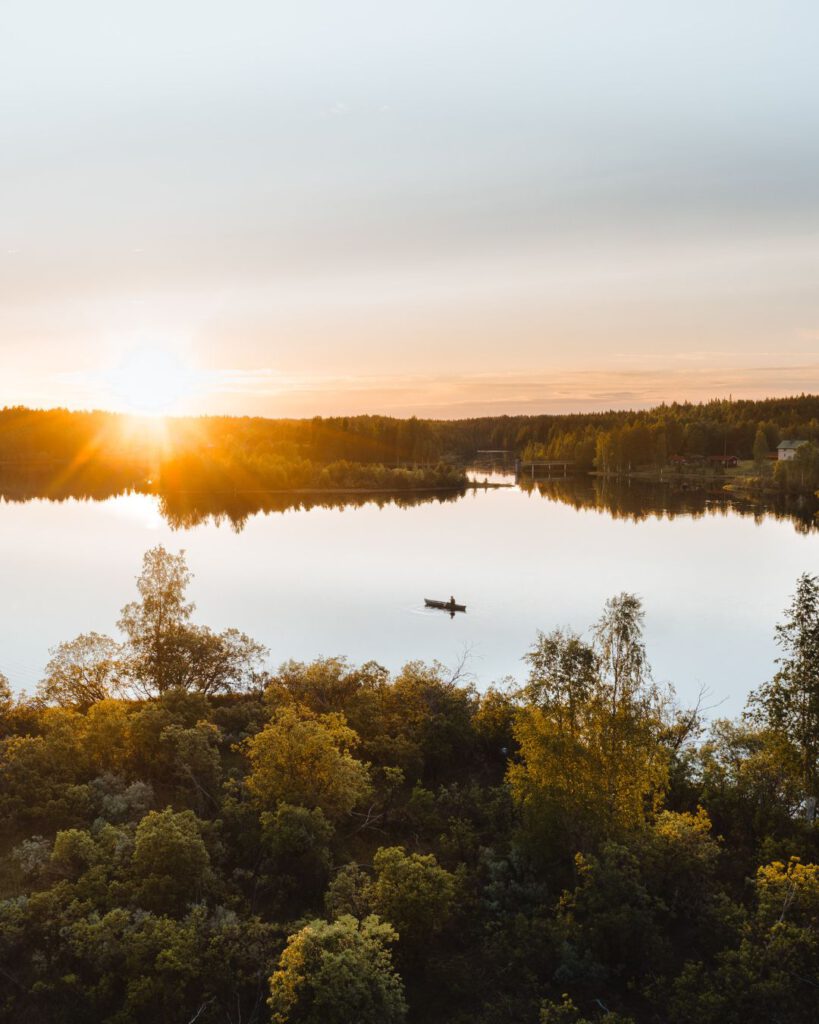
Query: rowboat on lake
{"x": 447, "y": 606}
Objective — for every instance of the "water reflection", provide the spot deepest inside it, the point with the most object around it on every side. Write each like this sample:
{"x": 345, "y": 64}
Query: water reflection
{"x": 187, "y": 510}
{"x": 184, "y": 510}
{"x": 637, "y": 501}
{"x": 620, "y": 499}
{"x": 83, "y": 483}
{"x": 350, "y": 578}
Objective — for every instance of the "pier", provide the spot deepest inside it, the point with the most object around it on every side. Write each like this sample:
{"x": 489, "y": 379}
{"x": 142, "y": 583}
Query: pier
{"x": 535, "y": 470}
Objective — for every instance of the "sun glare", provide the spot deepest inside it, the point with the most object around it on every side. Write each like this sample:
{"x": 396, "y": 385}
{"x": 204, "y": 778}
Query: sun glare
{"x": 153, "y": 382}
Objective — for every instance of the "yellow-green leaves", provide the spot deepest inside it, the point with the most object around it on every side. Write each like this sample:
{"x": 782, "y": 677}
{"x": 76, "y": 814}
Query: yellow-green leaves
{"x": 338, "y": 973}
{"x": 590, "y": 730}
{"x": 305, "y": 759}
{"x": 788, "y": 892}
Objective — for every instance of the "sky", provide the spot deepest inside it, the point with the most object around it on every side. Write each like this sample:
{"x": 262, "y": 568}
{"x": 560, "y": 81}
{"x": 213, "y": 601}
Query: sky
{"x": 433, "y": 208}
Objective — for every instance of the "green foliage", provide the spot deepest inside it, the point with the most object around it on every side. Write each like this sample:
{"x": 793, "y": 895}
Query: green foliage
{"x": 770, "y": 973}
{"x": 193, "y": 758}
{"x": 789, "y": 703}
{"x": 306, "y": 759}
{"x": 165, "y": 650}
{"x": 565, "y": 1012}
{"x": 325, "y": 685}
{"x": 83, "y": 671}
{"x": 296, "y": 842}
{"x": 607, "y": 923}
{"x": 412, "y": 892}
{"x": 428, "y": 719}
{"x": 337, "y": 973}
{"x": 591, "y": 731}
{"x": 5, "y": 694}
{"x": 348, "y": 893}
{"x": 171, "y": 862}
{"x": 40, "y": 776}
{"x": 760, "y": 449}
{"x": 156, "y": 625}
{"x": 749, "y": 782}
{"x": 74, "y": 853}
{"x": 128, "y": 966}
{"x": 568, "y": 850}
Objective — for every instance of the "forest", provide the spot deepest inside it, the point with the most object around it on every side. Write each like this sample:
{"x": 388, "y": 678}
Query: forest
{"x": 58, "y": 454}
{"x": 189, "y": 835}
{"x": 98, "y": 449}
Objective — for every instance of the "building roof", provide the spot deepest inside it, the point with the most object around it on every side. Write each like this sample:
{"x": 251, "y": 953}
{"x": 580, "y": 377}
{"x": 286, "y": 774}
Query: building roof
{"x": 790, "y": 444}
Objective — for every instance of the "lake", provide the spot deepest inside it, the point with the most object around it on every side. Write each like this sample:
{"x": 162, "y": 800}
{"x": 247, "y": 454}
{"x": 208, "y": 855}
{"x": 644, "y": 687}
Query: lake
{"x": 714, "y": 576}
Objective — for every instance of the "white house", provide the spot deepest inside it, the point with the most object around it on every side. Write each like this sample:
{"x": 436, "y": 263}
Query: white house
{"x": 786, "y": 450}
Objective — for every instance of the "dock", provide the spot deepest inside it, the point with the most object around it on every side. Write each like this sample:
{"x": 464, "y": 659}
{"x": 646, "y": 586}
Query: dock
{"x": 535, "y": 470}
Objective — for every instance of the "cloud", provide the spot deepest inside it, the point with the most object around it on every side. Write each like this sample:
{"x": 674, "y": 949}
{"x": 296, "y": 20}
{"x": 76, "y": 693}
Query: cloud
{"x": 450, "y": 395}
{"x": 267, "y": 391}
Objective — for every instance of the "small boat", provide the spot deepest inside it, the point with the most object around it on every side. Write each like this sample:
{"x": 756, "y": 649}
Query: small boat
{"x": 446, "y": 606}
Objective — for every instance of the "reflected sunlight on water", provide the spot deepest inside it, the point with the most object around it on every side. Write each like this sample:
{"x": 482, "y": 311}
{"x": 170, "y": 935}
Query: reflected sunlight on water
{"x": 142, "y": 509}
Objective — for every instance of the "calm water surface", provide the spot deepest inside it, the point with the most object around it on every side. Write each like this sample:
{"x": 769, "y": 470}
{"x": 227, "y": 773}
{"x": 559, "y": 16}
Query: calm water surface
{"x": 352, "y": 580}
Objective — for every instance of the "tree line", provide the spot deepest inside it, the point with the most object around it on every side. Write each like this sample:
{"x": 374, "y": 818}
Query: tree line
{"x": 190, "y": 836}
{"x": 60, "y": 453}
{"x": 613, "y": 439}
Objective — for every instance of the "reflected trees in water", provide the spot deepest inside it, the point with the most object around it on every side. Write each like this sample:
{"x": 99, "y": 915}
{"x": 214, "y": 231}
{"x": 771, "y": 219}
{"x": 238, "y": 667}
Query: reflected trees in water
{"x": 620, "y": 499}
{"x": 638, "y": 501}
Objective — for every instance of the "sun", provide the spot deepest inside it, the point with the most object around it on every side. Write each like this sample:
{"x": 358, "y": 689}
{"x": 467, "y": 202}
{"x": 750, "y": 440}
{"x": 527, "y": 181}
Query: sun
{"x": 153, "y": 382}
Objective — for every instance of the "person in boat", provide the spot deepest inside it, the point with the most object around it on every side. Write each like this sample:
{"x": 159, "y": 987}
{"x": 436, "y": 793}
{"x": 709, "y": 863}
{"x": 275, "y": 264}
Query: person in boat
{"x": 452, "y": 600}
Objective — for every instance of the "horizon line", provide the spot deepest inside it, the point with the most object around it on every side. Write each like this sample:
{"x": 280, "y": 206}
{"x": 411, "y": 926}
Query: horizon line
{"x": 646, "y": 407}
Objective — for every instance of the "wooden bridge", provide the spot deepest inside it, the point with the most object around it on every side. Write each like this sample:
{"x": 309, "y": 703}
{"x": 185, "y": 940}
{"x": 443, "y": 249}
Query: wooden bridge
{"x": 560, "y": 467}
{"x": 532, "y": 468}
